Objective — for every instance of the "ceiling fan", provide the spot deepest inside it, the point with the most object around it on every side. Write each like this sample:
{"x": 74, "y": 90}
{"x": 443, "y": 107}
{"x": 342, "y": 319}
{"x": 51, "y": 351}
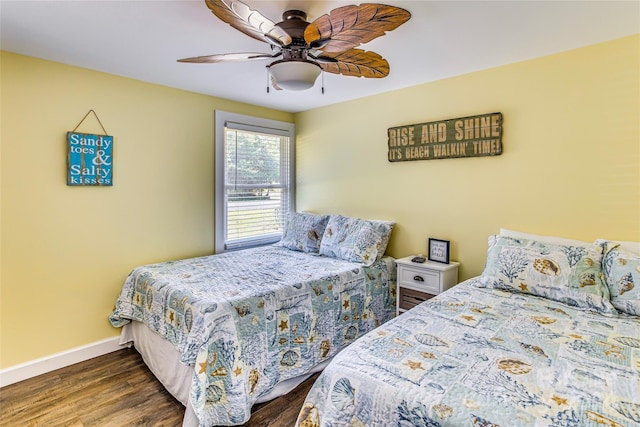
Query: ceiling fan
{"x": 302, "y": 50}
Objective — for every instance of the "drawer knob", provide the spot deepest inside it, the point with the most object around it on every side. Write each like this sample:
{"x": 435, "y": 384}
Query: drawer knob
{"x": 418, "y": 278}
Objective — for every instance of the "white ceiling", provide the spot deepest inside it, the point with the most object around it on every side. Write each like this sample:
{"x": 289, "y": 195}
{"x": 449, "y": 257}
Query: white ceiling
{"x": 143, "y": 39}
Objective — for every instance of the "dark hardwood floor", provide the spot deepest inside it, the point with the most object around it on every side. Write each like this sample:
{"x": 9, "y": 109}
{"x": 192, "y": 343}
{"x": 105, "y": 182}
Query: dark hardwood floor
{"x": 117, "y": 390}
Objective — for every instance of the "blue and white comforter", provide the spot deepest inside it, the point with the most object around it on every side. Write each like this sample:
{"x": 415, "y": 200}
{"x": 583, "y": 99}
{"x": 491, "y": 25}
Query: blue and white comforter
{"x": 485, "y": 357}
{"x": 249, "y": 319}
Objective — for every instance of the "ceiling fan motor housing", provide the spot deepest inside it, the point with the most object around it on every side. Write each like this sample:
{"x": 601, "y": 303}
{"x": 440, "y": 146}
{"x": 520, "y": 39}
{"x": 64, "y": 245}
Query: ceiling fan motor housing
{"x": 294, "y": 22}
{"x": 294, "y": 14}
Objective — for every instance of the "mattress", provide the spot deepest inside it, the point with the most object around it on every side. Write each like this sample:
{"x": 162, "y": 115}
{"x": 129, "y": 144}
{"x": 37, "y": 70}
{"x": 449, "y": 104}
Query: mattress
{"x": 246, "y": 321}
{"x": 485, "y": 357}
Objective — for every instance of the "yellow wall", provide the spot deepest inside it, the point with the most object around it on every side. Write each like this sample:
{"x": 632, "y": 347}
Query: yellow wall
{"x": 570, "y": 165}
{"x": 67, "y": 250}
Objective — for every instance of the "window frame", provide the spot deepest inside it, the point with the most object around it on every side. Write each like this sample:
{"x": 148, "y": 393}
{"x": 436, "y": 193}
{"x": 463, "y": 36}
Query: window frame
{"x": 252, "y": 124}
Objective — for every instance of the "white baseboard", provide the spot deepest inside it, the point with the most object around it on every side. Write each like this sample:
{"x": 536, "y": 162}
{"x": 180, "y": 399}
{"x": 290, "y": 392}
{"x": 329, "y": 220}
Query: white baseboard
{"x": 43, "y": 365}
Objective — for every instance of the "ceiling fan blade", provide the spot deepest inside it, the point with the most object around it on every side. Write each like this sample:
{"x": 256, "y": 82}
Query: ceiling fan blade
{"x": 229, "y": 57}
{"x": 350, "y": 26}
{"x": 249, "y": 21}
{"x": 355, "y": 62}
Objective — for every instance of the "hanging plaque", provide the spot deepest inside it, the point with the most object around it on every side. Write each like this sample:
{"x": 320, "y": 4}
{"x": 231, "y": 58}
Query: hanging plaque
{"x": 474, "y": 136}
{"x": 89, "y": 159}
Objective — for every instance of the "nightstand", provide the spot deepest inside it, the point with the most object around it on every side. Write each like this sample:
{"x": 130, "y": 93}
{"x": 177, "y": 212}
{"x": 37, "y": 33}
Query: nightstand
{"x": 418, "y": 282}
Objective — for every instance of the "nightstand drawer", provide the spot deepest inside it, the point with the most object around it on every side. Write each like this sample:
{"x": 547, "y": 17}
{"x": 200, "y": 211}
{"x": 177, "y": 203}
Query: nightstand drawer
{"x": 426, "y": 281}
{"x": 410, "y": 298}
{"x": 418, "y": 282}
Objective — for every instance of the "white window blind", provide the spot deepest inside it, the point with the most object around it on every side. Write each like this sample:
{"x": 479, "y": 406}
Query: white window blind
{"x": 257, "y": 190}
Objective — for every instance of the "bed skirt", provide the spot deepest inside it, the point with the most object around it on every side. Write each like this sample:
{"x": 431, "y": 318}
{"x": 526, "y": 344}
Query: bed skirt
{"x": 163, "y": 360}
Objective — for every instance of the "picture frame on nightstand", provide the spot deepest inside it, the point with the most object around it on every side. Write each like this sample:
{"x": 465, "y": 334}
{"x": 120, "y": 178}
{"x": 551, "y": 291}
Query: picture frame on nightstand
{"x": 438, "y": 250}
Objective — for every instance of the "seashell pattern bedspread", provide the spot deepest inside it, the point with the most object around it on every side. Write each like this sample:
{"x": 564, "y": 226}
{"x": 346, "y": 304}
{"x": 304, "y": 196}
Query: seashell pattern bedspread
{"x": 249, "y": 319}
{"x": 485, "y": 357}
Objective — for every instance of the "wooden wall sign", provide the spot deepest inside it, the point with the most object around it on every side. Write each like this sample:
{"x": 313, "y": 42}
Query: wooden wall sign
{"x": 474, "y": 136}
{"x": 89, "y": 159}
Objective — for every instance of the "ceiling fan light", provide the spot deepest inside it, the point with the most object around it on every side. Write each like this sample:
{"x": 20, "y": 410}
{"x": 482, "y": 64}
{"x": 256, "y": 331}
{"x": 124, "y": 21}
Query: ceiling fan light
{"x": 295, "y": 75}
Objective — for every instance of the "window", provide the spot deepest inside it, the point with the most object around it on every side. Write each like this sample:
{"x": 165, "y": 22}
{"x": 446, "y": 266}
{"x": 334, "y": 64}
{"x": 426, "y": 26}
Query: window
{"x": 254, "y": 180}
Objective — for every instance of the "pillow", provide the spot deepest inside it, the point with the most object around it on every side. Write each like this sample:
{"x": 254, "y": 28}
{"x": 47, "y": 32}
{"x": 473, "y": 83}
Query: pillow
{"x": 356, "y": 240}
{"x": 633, "y": 247}
{"x": 303, "y": 232}
{"x": 568, "y": 274}
{"x": 546, "y": 239}
{"x": 622, "y": 275}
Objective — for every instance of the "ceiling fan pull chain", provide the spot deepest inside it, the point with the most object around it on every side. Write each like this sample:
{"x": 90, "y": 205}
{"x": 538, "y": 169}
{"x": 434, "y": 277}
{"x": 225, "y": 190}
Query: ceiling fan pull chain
{"x": 322, "y": 81}
{"x": 268, "y": 80}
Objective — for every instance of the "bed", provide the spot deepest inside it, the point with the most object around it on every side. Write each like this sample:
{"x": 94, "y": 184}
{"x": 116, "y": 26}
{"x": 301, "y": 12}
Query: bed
{"x": 226, "y": 331}
{"x": 547, "y": 335}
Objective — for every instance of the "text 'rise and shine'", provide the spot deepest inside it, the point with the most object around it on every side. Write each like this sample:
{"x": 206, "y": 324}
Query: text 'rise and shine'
{"x": 464, "y": 137}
